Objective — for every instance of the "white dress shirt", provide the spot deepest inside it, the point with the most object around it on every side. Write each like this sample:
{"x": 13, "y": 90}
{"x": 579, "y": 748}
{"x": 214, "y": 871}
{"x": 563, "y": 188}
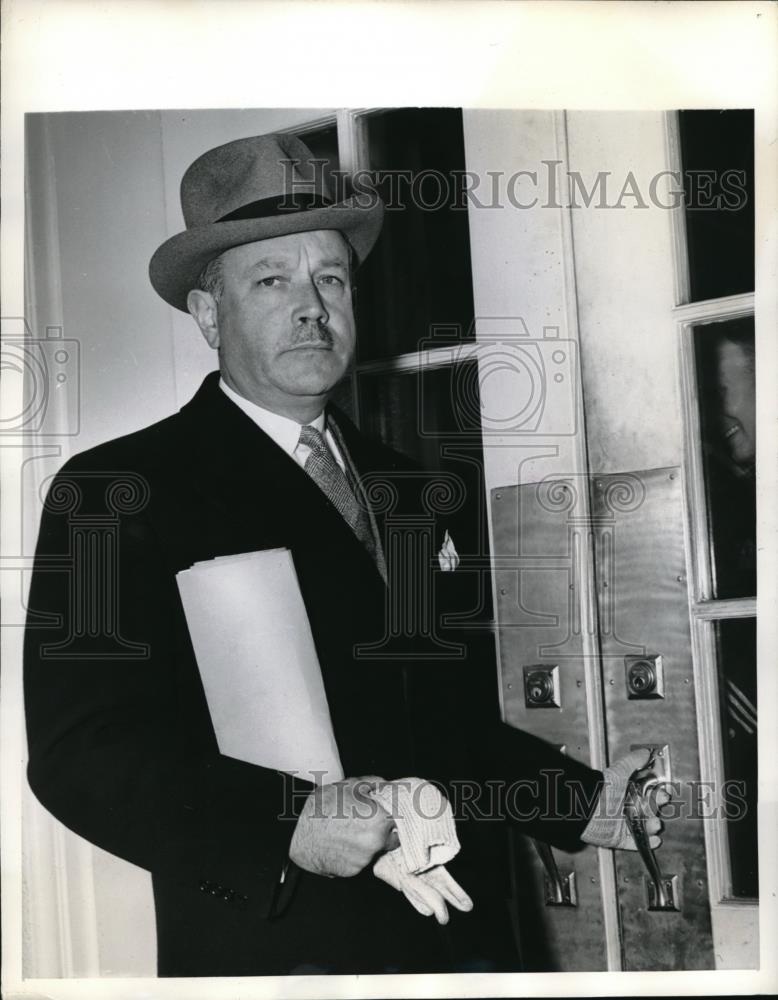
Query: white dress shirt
{"x": 284, "y": 431}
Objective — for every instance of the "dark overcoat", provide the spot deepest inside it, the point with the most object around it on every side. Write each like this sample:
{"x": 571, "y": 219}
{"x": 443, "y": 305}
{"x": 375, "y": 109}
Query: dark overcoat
{"x": 121, "y": 745}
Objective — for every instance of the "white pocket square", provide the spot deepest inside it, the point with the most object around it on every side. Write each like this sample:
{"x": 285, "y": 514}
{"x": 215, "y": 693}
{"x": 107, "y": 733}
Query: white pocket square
{"x": 448, "y": 556}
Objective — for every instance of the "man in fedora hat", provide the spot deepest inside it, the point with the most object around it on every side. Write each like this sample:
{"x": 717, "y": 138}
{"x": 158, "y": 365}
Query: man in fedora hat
{"x": 256, "y": 872}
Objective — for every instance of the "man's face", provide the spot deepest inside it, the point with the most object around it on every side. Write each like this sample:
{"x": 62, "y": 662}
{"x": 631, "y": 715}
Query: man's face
{"x": 285, "y": 319}
{"x": 737, "y": 402}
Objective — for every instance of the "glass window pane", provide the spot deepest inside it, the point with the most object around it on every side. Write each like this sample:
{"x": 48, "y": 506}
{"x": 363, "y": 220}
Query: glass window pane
{"x": 736, "y": 642}
{"x": 323, "y": 143}
{"x": 419, "y": 273}
{"x": 432, "y": 417}
{"x": 717, "y": 150}
{"x": 725, "y": 369}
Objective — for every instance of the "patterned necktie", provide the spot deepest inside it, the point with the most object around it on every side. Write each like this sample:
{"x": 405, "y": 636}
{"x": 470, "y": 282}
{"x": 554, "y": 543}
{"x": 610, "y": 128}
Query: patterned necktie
{"x": 331, "y": 480}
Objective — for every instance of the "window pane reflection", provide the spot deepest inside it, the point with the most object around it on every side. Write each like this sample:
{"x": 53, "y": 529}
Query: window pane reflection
{"x": 717, "y": 149}
{"x": 323, "y": 143}
{"x": 428, "y": 416}
{"x": 736, "y": 642}
{"x": 419, "y": 272}
{"x": 725, "y": 367}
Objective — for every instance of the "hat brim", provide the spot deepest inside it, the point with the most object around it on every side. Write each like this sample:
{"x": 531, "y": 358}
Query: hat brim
{"x": 178, "y": 263}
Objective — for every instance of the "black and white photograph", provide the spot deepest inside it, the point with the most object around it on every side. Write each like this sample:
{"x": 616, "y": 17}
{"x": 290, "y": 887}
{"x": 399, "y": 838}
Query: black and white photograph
{"x": 388, "y": 527}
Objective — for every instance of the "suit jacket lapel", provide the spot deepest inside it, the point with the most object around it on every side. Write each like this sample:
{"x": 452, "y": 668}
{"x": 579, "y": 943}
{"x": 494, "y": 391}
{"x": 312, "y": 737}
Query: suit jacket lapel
{"x": 249, "y": 480}
{"x": 249, "y": 494}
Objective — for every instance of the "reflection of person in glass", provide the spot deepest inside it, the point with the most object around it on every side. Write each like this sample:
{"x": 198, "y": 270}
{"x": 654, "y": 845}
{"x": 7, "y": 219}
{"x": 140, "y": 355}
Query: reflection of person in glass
{"x": 735, "y": 356}
{"x": 731, "y": 452}
{"x": 732, "y": 495}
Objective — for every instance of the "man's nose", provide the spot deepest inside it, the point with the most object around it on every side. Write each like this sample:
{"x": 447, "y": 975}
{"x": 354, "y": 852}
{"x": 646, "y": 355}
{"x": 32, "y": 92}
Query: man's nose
{"x": 309, "y": 306}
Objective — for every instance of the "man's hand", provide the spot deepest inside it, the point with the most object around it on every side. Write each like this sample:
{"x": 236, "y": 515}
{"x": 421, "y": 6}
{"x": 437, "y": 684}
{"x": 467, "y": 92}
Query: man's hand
{"x": 608, "y": 827}
{"x": 341, "y": 829}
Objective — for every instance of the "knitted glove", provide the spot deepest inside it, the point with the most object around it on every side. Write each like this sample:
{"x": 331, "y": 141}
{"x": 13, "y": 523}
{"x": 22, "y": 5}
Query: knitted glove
{"x": 424, "y": 821}
{"x": 427, "y": 892}
{"x": 608, "y": 827}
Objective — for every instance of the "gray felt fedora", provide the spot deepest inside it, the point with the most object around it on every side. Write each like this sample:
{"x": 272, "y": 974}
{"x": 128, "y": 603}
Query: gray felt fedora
{"x": 254, "y": 189}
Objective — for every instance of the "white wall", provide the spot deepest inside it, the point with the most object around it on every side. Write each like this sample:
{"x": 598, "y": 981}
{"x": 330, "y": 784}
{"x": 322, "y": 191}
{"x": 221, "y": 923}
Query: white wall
{"x": 109, "y": 180}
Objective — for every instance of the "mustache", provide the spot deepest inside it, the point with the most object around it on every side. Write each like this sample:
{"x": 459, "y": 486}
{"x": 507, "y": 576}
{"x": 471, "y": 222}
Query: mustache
{"x": 312, "y": 333}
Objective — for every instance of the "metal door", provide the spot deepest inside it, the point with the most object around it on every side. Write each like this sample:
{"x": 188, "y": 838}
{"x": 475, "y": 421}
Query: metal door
{"x": 588, "y": 475}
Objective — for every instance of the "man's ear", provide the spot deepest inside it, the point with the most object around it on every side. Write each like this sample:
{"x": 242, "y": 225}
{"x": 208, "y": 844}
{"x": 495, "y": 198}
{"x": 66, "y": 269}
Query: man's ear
{"x": 202, "y": 305}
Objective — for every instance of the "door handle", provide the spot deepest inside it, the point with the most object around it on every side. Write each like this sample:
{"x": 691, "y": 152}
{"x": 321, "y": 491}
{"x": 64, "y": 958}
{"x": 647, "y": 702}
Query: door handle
{"x": 560, "y": 889}
{"x": 662, "y": 890}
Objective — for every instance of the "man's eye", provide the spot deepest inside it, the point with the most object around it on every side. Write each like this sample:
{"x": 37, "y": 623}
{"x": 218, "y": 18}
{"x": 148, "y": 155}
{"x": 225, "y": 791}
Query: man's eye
{"x": 270, "y": 282}
{"x": 330, "y": 279}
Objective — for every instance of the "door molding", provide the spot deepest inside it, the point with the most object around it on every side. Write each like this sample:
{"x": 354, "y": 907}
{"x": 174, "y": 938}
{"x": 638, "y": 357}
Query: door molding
{"x": 586, "y": 583}
{"x": 735, "y": 923}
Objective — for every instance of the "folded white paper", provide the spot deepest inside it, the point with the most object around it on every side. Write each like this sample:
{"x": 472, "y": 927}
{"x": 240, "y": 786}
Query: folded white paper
{"x": 258, "y": 663}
